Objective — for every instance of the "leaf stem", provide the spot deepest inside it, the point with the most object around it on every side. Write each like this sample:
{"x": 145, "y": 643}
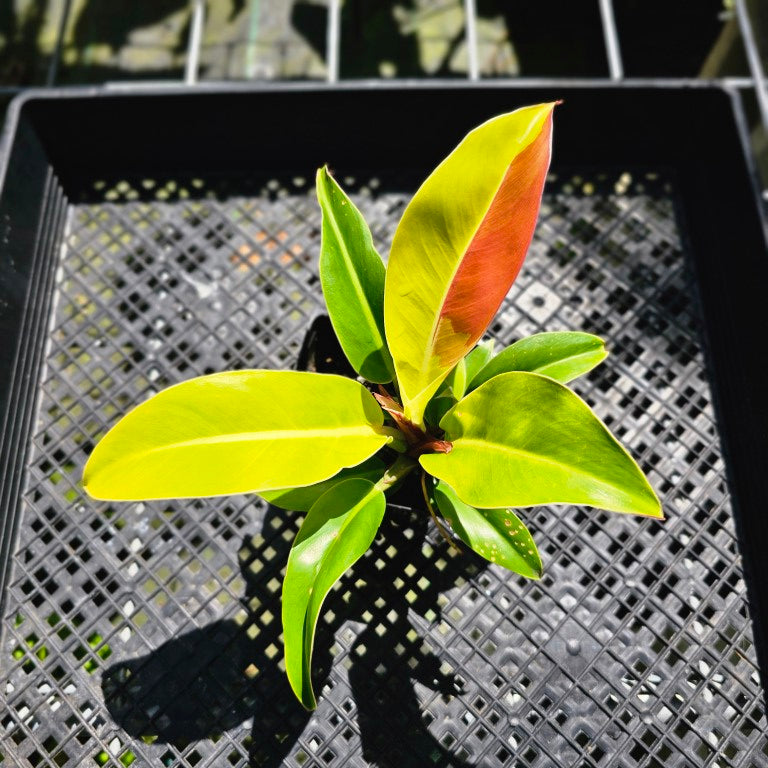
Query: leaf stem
{"x": 402, "y": 466}
{"x": 440, "y": 526}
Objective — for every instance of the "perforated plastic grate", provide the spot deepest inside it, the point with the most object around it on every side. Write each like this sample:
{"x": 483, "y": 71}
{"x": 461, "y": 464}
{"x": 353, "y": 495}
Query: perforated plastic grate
{"x": 150, "y": 633}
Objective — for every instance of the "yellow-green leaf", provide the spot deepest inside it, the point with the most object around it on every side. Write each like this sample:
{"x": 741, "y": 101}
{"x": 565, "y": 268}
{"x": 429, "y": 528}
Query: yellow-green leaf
{"x": 497, "y": 535}
{"x": 237, "y": 432}
{"x": 337, "y": 531}
{"x": 352, "y": 276}
{"x": 561, "y": 355}
{"x": 522, "y": 439}
{"x": 459, "y": 247}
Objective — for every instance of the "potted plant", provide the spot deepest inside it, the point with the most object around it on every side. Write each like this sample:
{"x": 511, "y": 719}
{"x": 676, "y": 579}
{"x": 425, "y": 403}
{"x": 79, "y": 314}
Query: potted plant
{"x": 484, "y": 433}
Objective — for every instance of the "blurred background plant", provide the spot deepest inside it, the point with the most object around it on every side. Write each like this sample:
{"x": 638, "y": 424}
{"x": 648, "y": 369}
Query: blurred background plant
{"x": 74, "y": 42}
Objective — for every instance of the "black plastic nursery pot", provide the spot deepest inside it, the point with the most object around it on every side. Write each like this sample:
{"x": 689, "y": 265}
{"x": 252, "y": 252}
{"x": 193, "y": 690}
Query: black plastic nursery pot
{"x": 149, "y": 237}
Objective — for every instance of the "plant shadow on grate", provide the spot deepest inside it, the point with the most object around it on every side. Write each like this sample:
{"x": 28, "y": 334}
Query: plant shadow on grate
{"x": 634, "y": 650}
{"x": 216, "y": 677}
{"x": 198, "y": 685}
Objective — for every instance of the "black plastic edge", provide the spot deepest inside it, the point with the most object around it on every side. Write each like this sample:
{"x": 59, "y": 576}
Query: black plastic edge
{"x": 21, "y": 386}
{"x": 731, "y": 290}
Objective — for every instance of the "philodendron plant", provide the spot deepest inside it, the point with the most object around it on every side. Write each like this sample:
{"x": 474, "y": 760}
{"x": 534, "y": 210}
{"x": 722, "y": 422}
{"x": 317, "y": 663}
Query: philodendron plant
{"x": 485, "y": 432}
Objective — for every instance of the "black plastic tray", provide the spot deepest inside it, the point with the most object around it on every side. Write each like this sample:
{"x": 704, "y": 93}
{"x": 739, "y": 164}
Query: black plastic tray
{"x": 148, "y": 237}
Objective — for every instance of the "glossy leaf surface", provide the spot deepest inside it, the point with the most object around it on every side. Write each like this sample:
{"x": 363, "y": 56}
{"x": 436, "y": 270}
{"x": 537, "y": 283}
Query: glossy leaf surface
{"x": 478, "y": 358}
{"x": 459, "y": 247}
{"x": 563, "y": 356}
{"x": 523, "y": 439}
{"x": 236, "y": 432}
{"x": 456, "y": 384}
{"x": 338, "y": 530}
{"x": 437, "y": 407}
{"x": 497, "y": 535}
{"x": 352, "y": 276}
{"x": 301, "y": 499}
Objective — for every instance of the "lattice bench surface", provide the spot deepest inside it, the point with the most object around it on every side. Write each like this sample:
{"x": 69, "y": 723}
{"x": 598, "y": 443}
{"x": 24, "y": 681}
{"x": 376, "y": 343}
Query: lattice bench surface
{"x": 149, "y": 633}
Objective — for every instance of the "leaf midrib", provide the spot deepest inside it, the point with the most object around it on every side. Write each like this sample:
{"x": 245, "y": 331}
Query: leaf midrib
{"x": 597, "y": 349}
{"x": 268, "y": 435}
{"x": 569, "y": 359}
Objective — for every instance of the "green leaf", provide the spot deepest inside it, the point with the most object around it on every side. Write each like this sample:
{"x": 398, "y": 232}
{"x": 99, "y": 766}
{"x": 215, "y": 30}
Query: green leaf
{"x": 459, "y": 246}
{"x": 301, "y": 499}
{"x": 522, "y": 439}
{"x": 456, "y": 383}
{"x": 561, "y": 355}
{"x": 337, "y": 531}
{"x": 352, "y": 275}
{"x": 437, "y": 407}
{"x": 455, "y": 386}
{"x": 237, "y": 432}
{"x": 497, "y": 535}
{"x": 477, "y": 359}
{"x": 450, "y": 393}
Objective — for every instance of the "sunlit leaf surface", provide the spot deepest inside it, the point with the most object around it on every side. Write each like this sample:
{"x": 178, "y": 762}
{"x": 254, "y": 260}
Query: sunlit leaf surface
{"x": 459, "y": 247}
{"x": 497, "y": 535}
{"x": 352, "y": 276}
{"x": 563, "y": 355}
{"x": 338, "y": 530}
{"x": 236, "y": 432}
{"x": 523, "y": 439}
